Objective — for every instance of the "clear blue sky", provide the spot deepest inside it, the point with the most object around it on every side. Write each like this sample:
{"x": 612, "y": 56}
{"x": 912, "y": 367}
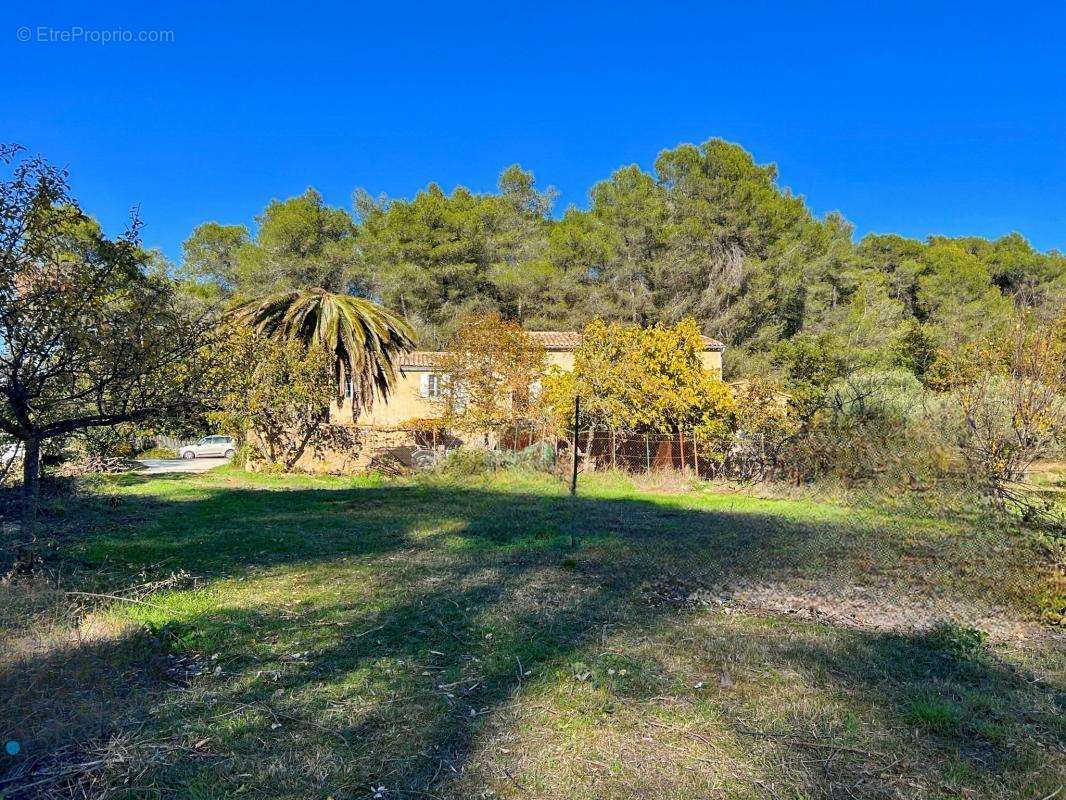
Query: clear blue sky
{"x": 925, "y": 118}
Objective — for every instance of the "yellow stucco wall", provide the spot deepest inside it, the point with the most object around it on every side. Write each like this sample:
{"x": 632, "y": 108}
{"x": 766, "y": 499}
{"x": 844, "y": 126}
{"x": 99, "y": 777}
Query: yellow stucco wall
{"x": 407, "y": 403}
{"x": 712, "y": 361}
{"x": 563, "y": 359}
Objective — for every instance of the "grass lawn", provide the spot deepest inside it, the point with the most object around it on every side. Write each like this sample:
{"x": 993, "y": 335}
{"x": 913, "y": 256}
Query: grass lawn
{"x": 340, "y": 638}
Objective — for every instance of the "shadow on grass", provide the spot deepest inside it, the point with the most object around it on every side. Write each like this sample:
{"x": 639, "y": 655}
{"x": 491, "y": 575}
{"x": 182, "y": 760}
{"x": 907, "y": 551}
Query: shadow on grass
{"x": 395, "y": 622}
{"x": 65, "y": 699}
{"x": 219, "y": 530}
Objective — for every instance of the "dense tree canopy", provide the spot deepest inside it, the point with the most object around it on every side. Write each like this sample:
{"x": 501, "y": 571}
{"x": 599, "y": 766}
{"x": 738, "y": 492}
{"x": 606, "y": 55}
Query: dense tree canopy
{"x": 709, "y": 233}
{"x": 299, "y": 243}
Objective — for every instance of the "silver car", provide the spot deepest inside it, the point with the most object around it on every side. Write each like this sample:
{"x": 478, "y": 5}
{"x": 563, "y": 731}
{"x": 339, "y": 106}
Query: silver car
{"x": 223, "y": 446}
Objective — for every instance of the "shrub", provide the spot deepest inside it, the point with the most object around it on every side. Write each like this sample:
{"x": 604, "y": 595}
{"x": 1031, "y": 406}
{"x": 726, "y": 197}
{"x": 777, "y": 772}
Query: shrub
{"x": 764, "y": 424}
{"x": 959, "y": 639}
{"x": 466, "y": 462}
{"x": 863, "y": 428}
{"x": 1005, "y": 407}
{"x": 471, "y": 462}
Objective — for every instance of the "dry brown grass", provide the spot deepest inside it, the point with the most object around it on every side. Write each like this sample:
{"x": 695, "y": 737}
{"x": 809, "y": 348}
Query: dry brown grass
{"x": 80, "y": 682}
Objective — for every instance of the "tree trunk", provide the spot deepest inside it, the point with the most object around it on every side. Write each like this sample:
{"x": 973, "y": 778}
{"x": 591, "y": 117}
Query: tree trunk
{"x": 588, "y": 444}
{"x": 31, "y": 468}
{"x": 695, "y": 453}
{"x": 31, "y": 463}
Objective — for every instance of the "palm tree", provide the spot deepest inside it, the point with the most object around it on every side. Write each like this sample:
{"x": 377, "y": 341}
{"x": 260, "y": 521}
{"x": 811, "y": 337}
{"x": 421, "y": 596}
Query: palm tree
{"x": 365, "y": 337}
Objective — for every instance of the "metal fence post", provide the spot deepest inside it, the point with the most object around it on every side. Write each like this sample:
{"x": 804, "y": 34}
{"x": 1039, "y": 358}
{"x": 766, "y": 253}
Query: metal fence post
{"x": 577, "y": 420}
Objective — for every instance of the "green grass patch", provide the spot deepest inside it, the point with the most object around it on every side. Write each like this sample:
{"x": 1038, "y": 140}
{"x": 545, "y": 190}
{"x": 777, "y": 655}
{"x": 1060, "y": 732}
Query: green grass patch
{"x": 934, "y": 714}
{"x": 494, "y": 637}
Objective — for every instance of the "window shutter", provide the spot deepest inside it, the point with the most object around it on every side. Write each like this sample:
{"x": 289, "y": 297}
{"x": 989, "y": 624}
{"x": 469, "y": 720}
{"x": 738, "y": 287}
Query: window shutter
{"x": 423, "y": 387}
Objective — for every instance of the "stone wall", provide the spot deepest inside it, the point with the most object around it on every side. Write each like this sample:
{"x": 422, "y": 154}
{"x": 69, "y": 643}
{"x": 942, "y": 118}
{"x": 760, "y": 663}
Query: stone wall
{"x": 351, "y": 450}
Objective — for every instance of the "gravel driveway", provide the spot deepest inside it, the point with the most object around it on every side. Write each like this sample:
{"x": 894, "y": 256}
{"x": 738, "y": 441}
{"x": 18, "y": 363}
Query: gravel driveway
{"x": 158, "y": 466}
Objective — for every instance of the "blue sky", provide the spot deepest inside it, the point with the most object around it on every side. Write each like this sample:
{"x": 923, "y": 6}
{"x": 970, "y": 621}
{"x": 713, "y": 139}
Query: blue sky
{"x": 923, "y": 118}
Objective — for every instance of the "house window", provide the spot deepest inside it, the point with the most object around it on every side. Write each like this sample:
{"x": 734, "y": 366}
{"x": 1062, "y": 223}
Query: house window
{"x": 431, "y": 386}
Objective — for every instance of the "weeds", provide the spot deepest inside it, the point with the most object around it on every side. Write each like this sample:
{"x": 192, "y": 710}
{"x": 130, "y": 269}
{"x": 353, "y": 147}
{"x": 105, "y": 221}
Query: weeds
{"x": 959, "y": 639}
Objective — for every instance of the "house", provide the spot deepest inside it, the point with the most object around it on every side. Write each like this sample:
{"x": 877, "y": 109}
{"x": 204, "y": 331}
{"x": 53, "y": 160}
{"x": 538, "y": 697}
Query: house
{"x": 394, "y": 430}
{"x": 418, "y": 384}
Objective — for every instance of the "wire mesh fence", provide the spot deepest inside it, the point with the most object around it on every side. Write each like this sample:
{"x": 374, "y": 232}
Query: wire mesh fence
{"x": 546, "y": 448}
{"x": 865, "y": 466}
{"x": 172, "y": 442}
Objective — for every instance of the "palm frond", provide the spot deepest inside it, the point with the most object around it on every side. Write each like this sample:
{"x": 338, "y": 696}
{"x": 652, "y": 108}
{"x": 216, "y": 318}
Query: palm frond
{"x": 365, "y": 338}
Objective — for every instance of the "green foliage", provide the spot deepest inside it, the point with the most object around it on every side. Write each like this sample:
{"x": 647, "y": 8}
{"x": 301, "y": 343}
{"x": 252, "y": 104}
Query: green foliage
{"x": 274, "y": 395}
{"x": 917, "y": 349}
{"x": 92, "y": 333}
{"x": 959, "y": 639}
{"x": 810, "y": 364}
{"x": 708, "y": 234}
{"x": 489, "y": 371}
{"x": 158, "y": 452}
{"x": 466, "y": 462}
{"x": 364, "y": 338}
{"x": 124, "y": 440}
{"x": 298, "y": 243}
{"x": 439, "y": 258}
{"x": 210, "y": 254}
{"x": 471, "y": 462}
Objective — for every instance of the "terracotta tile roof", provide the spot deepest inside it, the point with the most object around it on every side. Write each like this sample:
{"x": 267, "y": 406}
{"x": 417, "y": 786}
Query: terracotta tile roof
{"x": 556, "y": 340}
{"x": 424, "y": 359}
{"x": 549, "y": 340}
{"x": 569, "y": 340}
